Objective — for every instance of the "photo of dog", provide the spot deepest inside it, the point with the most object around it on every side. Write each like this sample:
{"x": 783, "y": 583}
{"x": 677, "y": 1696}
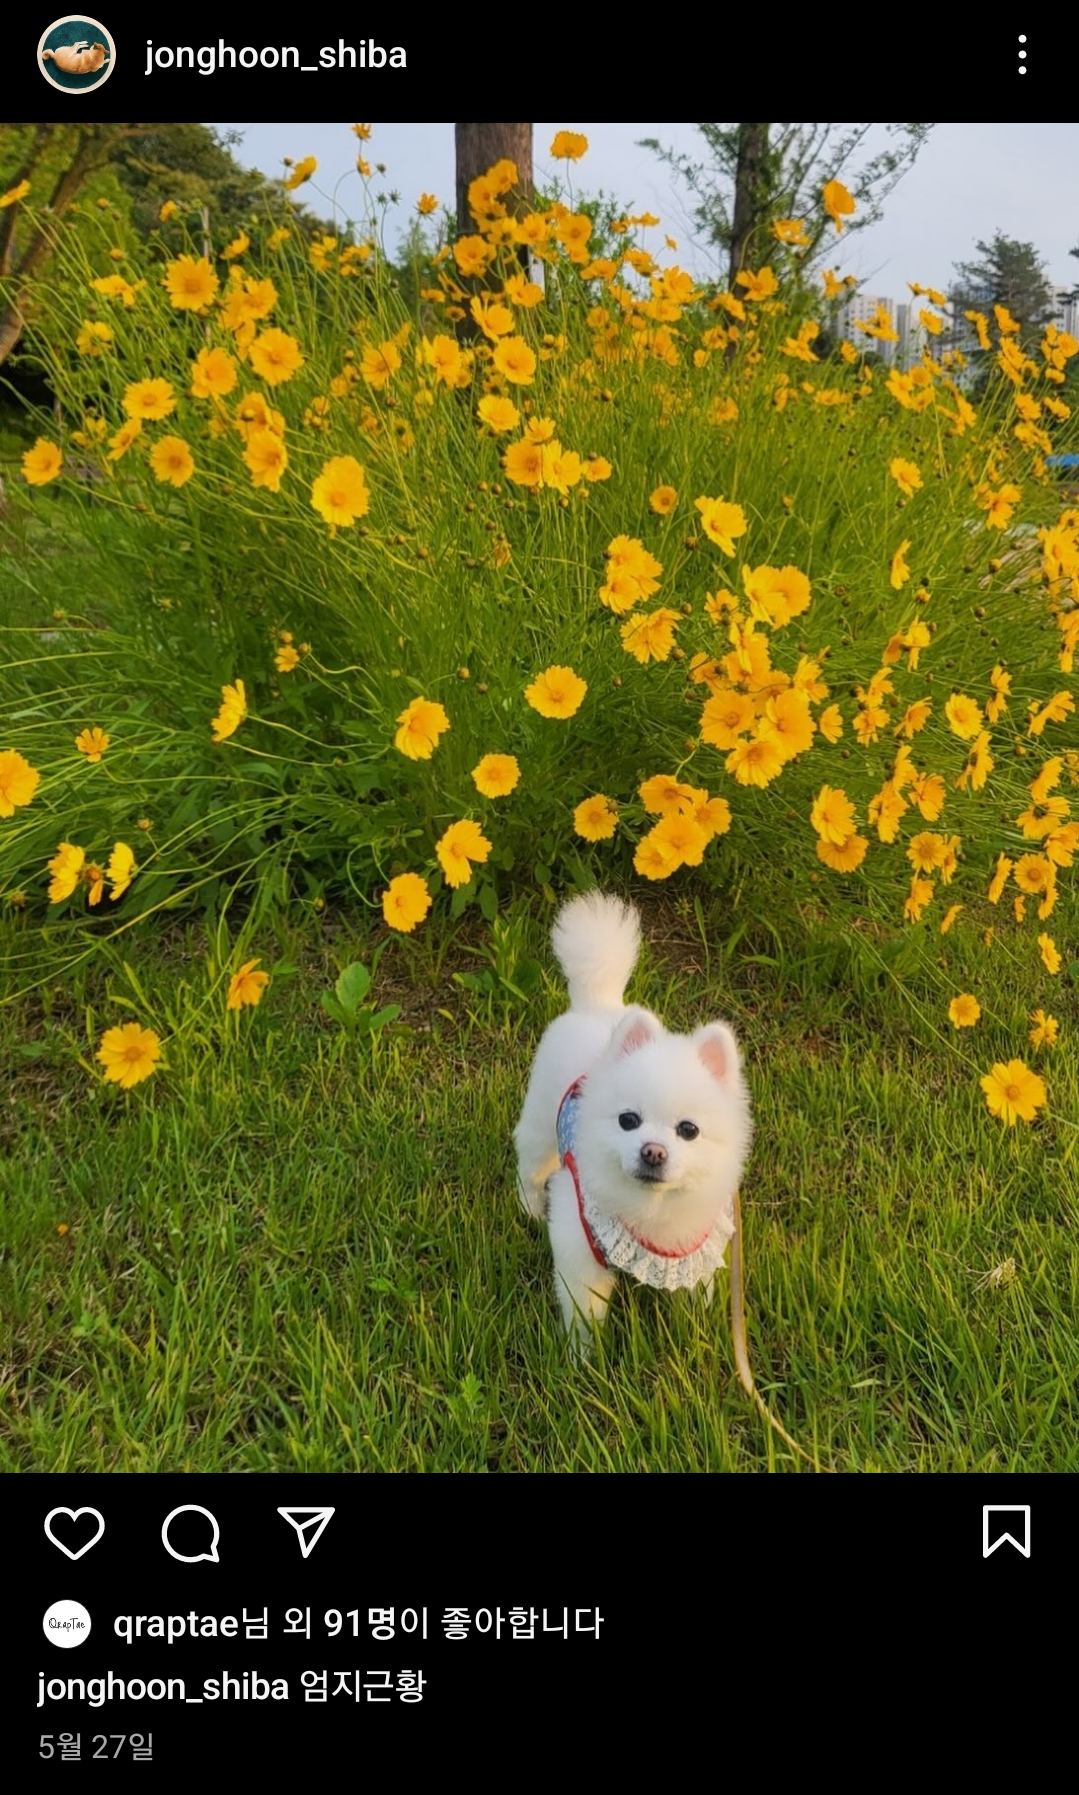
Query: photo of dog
{"x": 632, "y": 1140}
{"x": 77, "y": 59}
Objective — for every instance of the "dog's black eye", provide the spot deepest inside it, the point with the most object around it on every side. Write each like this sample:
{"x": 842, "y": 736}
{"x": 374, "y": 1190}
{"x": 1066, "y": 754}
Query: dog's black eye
{"x": 688, "y": 1130}
{"x": 629, "y": 1119}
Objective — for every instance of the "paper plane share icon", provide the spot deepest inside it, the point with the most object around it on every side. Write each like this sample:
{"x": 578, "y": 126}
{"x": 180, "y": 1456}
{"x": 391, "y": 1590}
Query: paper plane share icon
{"x": 310, "y": 1524}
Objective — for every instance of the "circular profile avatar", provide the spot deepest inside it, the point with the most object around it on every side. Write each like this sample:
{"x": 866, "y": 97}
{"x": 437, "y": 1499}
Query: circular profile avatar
{"x": 76, "y": 54}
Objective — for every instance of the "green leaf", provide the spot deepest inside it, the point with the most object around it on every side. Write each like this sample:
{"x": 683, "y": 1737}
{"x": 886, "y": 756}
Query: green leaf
{"x": 352, "y": 986}
{"x": 389, "y": 1013}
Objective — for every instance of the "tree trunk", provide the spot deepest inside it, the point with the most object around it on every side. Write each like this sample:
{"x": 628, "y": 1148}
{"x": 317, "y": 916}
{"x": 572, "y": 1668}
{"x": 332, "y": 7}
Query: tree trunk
{"x": 750, "y": 196}
{"x": 93, "y": 148}
{"x": 477, "y": 147}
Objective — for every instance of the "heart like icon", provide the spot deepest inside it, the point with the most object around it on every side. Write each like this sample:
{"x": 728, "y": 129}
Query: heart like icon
{"x": 73, "y": 1514}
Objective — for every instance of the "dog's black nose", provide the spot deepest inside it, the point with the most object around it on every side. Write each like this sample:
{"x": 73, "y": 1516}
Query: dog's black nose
{"x": 653, "y": 1154}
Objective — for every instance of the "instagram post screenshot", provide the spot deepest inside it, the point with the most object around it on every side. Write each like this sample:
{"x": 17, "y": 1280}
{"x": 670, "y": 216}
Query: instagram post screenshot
{"x": 539, "y": 884}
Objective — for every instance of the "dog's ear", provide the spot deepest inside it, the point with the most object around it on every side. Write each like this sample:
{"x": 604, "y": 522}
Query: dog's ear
{"x": 718, "y": 1051}
{"x": 636, "y": 1029}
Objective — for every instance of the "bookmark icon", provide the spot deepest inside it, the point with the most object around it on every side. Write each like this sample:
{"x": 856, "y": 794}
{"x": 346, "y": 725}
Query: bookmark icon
{"x": 310, "y": 1524}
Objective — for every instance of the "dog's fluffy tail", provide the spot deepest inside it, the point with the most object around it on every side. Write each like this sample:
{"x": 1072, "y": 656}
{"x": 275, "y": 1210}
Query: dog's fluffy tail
{"x": 597, "y": 940}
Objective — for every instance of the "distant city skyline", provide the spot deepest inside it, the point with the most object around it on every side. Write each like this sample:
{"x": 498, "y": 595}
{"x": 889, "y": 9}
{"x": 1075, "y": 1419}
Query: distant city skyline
{"x": 969, "y": 181}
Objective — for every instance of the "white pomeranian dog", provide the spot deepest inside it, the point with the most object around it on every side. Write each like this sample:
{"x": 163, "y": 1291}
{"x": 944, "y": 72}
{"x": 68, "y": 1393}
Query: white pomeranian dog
{"x": 631, "y": 1140}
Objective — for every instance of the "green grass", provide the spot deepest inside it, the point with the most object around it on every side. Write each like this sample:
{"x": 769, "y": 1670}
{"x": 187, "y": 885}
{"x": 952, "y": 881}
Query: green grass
{"x": 290, "y": 1251}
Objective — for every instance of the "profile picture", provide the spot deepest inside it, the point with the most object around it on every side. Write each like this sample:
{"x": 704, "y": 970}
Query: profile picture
{"x": 76, "y": 54}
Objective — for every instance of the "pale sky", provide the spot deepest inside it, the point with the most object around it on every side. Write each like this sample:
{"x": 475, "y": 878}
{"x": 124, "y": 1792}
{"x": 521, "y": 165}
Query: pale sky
{"x": 969, "y": 181}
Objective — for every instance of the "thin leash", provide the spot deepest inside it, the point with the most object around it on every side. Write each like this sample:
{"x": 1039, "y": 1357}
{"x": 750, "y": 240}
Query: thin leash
{"x": 741, "y": 1350}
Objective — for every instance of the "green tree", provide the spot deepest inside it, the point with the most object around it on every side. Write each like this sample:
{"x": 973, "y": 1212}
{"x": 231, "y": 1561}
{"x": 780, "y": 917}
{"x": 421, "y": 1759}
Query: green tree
{"x": 194, "y": 166}
{"x": 754, "y": 174}
{"x": 1006, "y": 273}
{"x": 55, "y": 162}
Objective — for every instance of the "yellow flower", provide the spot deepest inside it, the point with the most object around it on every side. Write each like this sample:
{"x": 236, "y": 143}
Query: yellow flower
{"x": 42, "y": 463}
{"x": 167, "y": 211}
{"x": 125, "y": 436}
{"x": 496, "y": 775}
{"x": 684, "y": 837}
{"x": 830, "y": 723}
{"x": 921, "y": 893}
{"x": 758, "y": 286}
{"x": 1049, "y": 952}
{"x": 515, "y": 361}
{"x": 114, "y": 286}
{"x": 18, "y": 781}
{"x": 523, "y": 462}
{"x": 150, "y": 399}
{"x": 302, "y": 172}
{"x": 191, "y": 284}
{"x": 1033, "y": 873}
{"x": 964, "y": 1010}
{"x": 596, "y": 818}
{"x": 500, "y": 415}
{"x": 654, "y": 858}
{"x": 121, "y": 869}
{"x": 275, "y": 356}
{"x": 1044, "y": 1032}
{"x": 663, "y": 500}
{"x": 950, "y": 917}
{"x": 340, "y": 493}
{"x": 213, "y": 374}
{"x": 558, "y": 692}
{"x": 232, "y": 712}
{"x": 927, "y": 851}
{"x": 406, "y": 902}
{"x": 571, "y": 145}
{"x": 267, "y": 458}
{"x": 462, "y": 844}
{"x": 845, "y": 856}
{"x": 756, "y": 762}
{"x": 66, "y": 869}
{"x": 379, "y": 365}
{"x": 425, "y": 205}
{"x": 776, "y": 594}
{"x": 650, "y": 635}
{"x": 129, "y": 1054}
{"x": 286, "y": 658}
{"x": 172, "y": 461}
{"x": 422, "y": 722}
{"x": 246, "y": 986}
{"x": 900, "y": 571}
{"x": 906, "y": 476}
{"x": 832, "y": 815}
{"x": 92, "y": 743}
{"x": 1059, "y": 706}
{"x": 14, "y": 195}
{"x": 964, "y": 716}
{"x": 238, "y": 247}
{"x": 363, "y": 132}
{"x": 721, "y": 522}
{"x": 838, "y": 202}
{"x": 1013, "y": 1091}
{"x": 94, "y": 338}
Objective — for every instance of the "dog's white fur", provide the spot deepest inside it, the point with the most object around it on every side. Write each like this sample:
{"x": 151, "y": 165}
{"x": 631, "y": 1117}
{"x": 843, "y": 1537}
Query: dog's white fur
{"x": 77, "y": 59}
{"x": 633, "y": 1066}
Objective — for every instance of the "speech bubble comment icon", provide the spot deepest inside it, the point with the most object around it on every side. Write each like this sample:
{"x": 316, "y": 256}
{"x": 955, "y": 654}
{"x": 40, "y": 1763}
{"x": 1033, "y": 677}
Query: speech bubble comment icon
{"x": 192, "y": 1508}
